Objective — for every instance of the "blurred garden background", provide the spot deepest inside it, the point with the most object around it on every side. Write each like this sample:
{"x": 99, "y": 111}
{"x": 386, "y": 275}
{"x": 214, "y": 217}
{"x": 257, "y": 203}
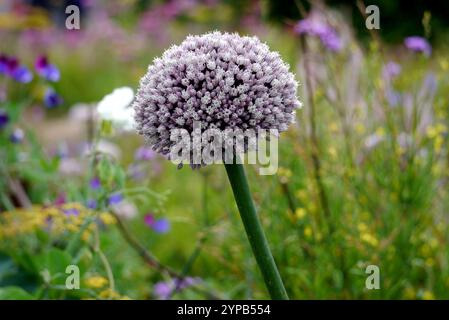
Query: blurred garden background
{"x": 363, "y": 174}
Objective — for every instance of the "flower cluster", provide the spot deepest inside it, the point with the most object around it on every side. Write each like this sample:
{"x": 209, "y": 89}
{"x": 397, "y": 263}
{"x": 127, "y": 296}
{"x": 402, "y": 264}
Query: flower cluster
{"x": 10, "y": 66}
{"x": 222, "y": 81}
{"x": 55, "y": 219}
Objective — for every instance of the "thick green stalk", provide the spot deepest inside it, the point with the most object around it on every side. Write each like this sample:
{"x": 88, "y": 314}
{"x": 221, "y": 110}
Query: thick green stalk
{"x": 254, "y": 231}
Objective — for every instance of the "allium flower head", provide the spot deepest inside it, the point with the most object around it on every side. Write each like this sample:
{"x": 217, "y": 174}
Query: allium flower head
{"x": 223, "y": 81}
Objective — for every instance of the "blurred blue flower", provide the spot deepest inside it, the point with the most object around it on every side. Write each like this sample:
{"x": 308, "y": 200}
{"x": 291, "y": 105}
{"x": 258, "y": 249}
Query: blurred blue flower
{"x": 71, "y": 212}
{"x": 161, "y": 225}
{"x": 91, "y": 204}
{"x": 46, "y": 70}
{"x": 115, "y": 198}
{"x": 418, "y": 44}
{"x": 17, "y": 136}
{"x": 21, "y": 74}
{"x": 3, "y": 64}
{"x": 10, "y": 66}
{"x": 144, "y": 154}
{"x": 4, "y": 118}
{"x": 95, "y": 183}
{"x": 393, "y": 97}
{"x": 162, "y": 290}
{"x": 315, "y": 25}
{"x": 52, "y": 99}
{"x": 391, "y": 70}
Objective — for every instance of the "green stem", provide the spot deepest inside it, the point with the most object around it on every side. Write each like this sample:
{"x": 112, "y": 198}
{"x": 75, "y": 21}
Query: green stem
{"x": 254, "y": 231}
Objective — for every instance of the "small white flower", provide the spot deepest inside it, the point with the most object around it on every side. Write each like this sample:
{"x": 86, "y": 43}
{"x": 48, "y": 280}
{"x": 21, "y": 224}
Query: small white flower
{"x": 115, "y": 107}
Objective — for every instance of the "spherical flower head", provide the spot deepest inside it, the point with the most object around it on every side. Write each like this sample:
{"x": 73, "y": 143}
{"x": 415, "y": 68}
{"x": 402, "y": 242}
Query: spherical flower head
{"x": 418, "y": 44}
{"x": 219, "y": 80}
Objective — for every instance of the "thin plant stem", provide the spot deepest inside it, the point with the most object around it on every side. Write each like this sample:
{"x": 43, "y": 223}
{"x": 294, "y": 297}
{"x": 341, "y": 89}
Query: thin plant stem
{"x": 314, "y": 138}
{"x": 254, "y": 231}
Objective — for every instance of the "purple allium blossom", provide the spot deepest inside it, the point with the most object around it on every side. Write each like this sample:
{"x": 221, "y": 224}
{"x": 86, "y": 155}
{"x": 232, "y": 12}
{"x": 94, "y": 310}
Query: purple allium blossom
{"x": 391, "y": 70}
{"x": 315, "y": 25}
{"x": 17, "y": 136}
{"x": 144, "y": 154}
{"x": 223, "y": 81}
{"x": 4, "y": 118}
{"x": 115, "y": 198}
{"x": 52, "y": 99}
{"x": 418, "y": 44}
{"x": 46, "y": 70}
{"x": 95, "y": 183}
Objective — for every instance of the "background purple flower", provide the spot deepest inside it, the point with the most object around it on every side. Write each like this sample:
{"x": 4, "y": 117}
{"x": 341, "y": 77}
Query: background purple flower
{"x": 391, "y": 70}
{"x": 316, "y": 26}
{"x": 46, "y": 70}
{"x": 149, "y": 219}
{"x": 17, "y": 136}
{"x": 3, "y": 64}
{"x": 161, "y": 225}
{"x": 21, "y": 74}
{"x": 418, "y": 44}
{"x": 10, "y": 66}
{"x": 71, "y": 212}
{"x": 4, "y": 118}
{"x": 95, "y": 183}
{"x": 115, "y": 198}
{"x": 162, "y": 290}
{"x": 144, "y": 154}
{"x": 52, "y": 99}
{"x": 91, "y": 204}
